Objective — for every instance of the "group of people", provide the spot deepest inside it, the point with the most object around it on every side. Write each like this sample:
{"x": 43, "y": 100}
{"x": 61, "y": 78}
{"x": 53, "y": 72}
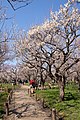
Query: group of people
{"x": 34, "y": 84}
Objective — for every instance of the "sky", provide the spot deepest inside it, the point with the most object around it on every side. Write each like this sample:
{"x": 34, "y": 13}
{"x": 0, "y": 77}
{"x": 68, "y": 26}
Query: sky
{"x": 33, "y": 14}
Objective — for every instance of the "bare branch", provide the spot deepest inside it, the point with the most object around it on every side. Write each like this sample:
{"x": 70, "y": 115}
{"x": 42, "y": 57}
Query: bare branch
{"x": 25, "y": 2}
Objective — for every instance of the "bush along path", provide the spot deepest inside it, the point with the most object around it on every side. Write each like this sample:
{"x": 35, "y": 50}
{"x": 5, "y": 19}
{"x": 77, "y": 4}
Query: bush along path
{"x": 24, "y": 107}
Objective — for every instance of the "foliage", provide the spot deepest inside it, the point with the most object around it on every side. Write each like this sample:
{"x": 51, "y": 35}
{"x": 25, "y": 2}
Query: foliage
{"x": 3, "y": 97}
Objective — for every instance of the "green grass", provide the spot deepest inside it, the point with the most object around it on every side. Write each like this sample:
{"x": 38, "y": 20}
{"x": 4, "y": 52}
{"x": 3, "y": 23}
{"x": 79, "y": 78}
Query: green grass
{"x": 69, "y": 108}
{"x": 3, "y": 97}
{"x": 27, "y": 84}
{"x": 4, "y": 85}
{"x": 9, "y": 86}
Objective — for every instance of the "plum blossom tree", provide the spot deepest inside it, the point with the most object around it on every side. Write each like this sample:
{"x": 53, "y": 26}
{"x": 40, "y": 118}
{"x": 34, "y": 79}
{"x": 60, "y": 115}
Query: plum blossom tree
{"x": 3, "y": 36}
{"x": 61, "y": 33}
{"x": 53, "y": 48}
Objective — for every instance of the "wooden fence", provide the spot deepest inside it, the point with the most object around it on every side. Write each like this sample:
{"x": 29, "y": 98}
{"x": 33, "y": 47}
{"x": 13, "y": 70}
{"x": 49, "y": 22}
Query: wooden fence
{"x": 7, "y": 103}
{"x": 54, "y": 115}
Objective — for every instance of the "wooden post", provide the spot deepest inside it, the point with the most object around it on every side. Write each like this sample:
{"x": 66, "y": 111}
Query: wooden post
{"x": 7, "y": 108}
{"x": 9, "y": 99}
{"x": 28, "y": 90}
{"x": 36, "y": 97}
{"x": 43, "y": 102}
{"x": 11, "y": 94}
{"x": 53, "y": 114}
{"x": 6, "y": 89}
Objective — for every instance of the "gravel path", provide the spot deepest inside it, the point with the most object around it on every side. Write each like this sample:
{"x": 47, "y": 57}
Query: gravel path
{"x": 24, "y": 107}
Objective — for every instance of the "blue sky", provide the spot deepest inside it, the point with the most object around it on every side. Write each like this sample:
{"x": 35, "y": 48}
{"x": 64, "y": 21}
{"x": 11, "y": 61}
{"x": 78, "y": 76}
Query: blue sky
{"x": 34, "y": 13}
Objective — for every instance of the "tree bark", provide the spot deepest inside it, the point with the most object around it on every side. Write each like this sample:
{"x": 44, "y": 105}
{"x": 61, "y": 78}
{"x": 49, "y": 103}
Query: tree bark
{"x": 61, "y": 84}
{"x": 61, "y": 92}
{"x": 78, "y": 80}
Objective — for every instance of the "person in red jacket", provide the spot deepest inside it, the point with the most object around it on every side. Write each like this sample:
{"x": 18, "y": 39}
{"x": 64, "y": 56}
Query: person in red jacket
{"x": 32, "y": 83}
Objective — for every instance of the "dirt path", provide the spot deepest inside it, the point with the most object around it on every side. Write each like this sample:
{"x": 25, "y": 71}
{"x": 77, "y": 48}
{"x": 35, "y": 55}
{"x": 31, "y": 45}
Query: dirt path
{"x": 24, "y": 107}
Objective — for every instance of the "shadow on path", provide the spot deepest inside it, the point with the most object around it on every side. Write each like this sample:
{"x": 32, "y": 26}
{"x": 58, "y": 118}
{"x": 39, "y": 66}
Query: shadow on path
{"x": 25, "y": 107}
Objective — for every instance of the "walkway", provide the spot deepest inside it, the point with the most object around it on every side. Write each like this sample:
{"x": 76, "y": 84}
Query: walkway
{"x": 24, "y": 107}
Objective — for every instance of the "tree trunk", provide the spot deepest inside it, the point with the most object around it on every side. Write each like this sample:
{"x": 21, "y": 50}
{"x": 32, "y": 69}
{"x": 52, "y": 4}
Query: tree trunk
{"x": 79, "y": 85}
{"x": 42, "y": 81}
{"x": 78, "y": 80}
{"x": 61, "y": 84}
{"x": 61, "y": 92}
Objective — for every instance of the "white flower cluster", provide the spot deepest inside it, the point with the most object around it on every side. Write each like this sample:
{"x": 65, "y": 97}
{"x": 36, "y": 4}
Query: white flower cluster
{"x": 53, "y": 29}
